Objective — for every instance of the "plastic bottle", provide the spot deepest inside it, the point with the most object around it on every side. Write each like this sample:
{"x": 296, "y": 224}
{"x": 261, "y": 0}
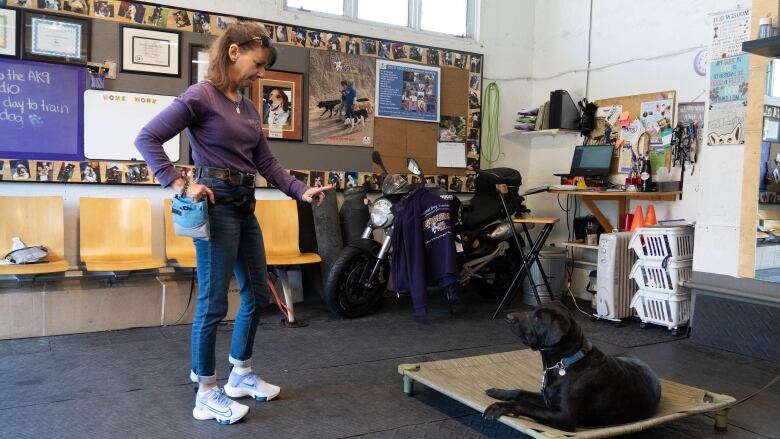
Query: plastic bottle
{"x": 765, "y": 27}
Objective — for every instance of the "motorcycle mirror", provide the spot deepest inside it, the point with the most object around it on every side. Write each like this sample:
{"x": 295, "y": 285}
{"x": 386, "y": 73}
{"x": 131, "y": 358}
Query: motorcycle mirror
{"x": 413, "y": 166}
{"x": 377, "y": 159}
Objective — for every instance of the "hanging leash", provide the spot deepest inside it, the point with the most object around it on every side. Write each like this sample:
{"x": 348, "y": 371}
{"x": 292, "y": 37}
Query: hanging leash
{"x": 492, "y": 145}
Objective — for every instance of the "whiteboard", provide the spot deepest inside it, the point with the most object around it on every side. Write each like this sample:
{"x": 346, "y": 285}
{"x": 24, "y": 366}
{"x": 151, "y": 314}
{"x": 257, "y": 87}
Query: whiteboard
{"x": 112, "y": 121}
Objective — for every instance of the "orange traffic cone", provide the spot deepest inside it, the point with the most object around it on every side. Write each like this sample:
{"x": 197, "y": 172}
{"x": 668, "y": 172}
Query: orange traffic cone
{"x": 639, "y": 220}
{"x": 650, "y": 218}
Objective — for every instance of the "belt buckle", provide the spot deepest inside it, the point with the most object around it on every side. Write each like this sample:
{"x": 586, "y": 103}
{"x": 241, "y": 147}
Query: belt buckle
{"x": 234, "y": 178}
{"x": 250, "y": 180}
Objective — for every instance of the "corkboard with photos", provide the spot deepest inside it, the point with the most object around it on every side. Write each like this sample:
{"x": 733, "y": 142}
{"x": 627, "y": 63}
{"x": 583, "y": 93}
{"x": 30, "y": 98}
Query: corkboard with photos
{"x": 201, "y": 22}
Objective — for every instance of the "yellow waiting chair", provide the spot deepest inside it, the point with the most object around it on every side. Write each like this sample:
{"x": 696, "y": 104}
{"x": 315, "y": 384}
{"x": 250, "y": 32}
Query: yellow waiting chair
{"x": 115, "y": 234}
{"x": 279, "y": 222}
{"x": 36, "y": 221}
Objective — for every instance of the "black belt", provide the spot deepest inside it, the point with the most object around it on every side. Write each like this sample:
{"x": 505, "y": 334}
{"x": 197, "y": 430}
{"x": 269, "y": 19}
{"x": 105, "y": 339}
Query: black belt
{"x": 231, "y": 177}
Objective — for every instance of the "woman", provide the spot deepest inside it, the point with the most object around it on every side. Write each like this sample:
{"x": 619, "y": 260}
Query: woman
{"x": 228, "y": 148}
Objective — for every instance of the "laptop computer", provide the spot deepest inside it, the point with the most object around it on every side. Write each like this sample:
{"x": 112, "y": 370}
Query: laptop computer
{"x": 590, "y": 161}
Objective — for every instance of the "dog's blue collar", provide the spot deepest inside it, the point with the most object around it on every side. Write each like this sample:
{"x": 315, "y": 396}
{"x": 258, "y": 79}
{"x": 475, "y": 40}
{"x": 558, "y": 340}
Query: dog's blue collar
{"x": 571, "y": 359}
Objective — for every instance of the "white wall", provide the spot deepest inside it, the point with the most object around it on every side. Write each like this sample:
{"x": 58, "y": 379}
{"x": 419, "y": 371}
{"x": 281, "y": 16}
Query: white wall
{"x": 636, "y": 47}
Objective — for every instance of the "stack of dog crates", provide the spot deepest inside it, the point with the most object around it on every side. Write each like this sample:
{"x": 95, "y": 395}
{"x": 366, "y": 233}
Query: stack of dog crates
{"x": 665, "y": 259}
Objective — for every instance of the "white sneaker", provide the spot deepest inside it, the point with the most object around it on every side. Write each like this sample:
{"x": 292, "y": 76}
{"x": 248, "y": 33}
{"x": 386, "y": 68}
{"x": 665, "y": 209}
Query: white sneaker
{"x": 215, "y": 405}
{"x": 250, "y": 385}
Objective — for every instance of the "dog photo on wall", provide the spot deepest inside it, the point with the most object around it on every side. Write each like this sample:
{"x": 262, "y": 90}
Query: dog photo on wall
{"x": 44, "y": 171}
{"x": 20, "y": 170}
{"x": 432, "y": 57}
{"x": 90, "y": 172}
{"x": 104, "y": 9}
{"x": 369, "y": 46}
{"x": 158, "y": 17}
{"x": 341, "y": 99}
{"x": 335, "y": 179}
{"x": 201, "y": 22}
{"x": 113, "y": 173}
{"x": 76, "y": 6}
{"x": 316, "y": 179}
{"x": 67, "y": 172}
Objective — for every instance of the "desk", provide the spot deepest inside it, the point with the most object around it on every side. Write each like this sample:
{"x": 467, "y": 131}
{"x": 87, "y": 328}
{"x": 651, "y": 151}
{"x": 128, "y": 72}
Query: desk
{"x": 623, "y": 199}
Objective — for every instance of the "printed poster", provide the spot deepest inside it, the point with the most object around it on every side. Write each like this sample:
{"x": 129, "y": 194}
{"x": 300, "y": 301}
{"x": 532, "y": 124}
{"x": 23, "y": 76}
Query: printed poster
{"x": 729, "y": 30}
{"x": 341, "y": 99}
{"x": 729, "y": 79}
{"x": 725, "y": 124}
{"x": 407, "y": 91}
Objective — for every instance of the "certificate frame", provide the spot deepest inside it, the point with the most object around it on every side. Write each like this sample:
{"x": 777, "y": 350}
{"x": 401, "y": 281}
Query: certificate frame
{"x": 197, "y": 52}
{"x": 9, "y": 33}
{"x": 290, "y": 83}
{"x": 163, "y": 51}
{"x": 55, "y": 38}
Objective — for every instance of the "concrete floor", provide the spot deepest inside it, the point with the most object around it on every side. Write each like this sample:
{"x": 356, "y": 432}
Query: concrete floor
{"x": 338, "y": 379}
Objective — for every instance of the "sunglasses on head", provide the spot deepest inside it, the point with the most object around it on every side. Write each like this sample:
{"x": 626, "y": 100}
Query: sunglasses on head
{"x": 265, "y": 41}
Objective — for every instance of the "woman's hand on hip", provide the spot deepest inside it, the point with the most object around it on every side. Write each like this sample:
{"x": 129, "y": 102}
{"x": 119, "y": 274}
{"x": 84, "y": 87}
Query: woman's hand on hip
{"x": 315, "y": 195}
{"x": 197, "y": 191}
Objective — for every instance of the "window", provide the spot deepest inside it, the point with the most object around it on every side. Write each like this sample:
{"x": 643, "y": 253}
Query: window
{"x": 327, "y": 6}
{"x": 385, "y": 11}
{"x": 445, "y": 16}
{"x": 453, "y": 17}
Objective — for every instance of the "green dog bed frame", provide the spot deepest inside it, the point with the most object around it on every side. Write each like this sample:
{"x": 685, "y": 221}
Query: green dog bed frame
{"x": 465, "y": 380}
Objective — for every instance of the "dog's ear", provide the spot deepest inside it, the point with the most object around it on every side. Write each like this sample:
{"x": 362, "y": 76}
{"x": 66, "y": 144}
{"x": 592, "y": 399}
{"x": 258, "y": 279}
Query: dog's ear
{"x": 558, "y": 326}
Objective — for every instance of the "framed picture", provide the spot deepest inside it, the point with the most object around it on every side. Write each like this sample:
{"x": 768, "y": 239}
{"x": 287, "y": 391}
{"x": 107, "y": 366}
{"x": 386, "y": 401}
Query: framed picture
{"x": 199, "y": 63}
{"x": 9, "y": 26}
{"x": 279, "y": 100}
{"x": 151, "y": 52}
{"x": 56, "y": 38}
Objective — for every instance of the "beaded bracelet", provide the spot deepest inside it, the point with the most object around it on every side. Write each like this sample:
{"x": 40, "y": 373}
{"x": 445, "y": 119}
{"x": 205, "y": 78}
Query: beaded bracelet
{"x": 183, "y": 192}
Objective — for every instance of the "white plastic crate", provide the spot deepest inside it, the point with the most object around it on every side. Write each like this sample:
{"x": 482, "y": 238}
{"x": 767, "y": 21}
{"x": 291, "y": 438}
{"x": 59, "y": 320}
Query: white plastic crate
{"x": 659, "y": 243}
{"x": 651, "y": 275}
{"x": 670, "y": 310}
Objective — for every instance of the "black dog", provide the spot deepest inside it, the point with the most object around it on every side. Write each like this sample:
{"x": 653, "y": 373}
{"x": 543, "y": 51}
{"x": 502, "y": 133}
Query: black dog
{"x": 357, "y": 117}
{"x": 582, "y": 385}
{"x": 328, "y": 106}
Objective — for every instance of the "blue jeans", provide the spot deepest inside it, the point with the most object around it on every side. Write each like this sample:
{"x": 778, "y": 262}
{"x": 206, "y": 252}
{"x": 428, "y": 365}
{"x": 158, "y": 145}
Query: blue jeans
{"x": 235, "y": 247}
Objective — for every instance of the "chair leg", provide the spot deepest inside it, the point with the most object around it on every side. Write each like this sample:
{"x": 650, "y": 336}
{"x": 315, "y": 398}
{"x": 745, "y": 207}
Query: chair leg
{"x": 282, "y": 273}
{"x": 537, "y": 247}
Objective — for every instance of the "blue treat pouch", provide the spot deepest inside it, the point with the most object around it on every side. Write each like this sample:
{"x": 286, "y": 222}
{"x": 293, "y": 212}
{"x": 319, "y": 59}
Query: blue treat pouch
{"x": 190, "y": 218}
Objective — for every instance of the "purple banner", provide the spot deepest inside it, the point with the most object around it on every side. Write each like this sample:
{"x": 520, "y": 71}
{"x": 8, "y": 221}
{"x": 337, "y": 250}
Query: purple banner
{"x": 41, "y": 114}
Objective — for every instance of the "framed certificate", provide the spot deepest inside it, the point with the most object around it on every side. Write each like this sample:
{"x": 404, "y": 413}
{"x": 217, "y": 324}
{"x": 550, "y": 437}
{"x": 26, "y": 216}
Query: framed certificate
{"x": 151, "y": 52}
{"x": 57, "y": 38}
{"x": 9, "y": 26}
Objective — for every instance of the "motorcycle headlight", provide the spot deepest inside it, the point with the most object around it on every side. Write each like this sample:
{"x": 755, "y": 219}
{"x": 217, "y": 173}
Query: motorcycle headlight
{"x": 381, "y": 217}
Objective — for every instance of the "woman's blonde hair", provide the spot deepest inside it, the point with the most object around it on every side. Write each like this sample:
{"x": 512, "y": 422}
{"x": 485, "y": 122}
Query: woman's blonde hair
{"x": 246, "y": 35}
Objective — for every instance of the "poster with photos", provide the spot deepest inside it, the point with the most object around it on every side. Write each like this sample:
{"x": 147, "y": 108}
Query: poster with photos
{"x": 407, "y": 91}
{"x": 341, "y": 99}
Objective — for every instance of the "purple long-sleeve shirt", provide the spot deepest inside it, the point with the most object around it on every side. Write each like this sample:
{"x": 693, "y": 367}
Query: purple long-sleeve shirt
{"x": 219, "y": 137}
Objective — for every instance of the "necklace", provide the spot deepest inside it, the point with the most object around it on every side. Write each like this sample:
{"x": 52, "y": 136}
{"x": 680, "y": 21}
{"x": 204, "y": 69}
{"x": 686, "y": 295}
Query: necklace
{"x": 238, "y": 104}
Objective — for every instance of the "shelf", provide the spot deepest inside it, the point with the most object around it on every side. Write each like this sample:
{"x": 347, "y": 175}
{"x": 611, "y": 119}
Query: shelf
{"x": 580, "y": 245}
{"x": 553, "y": 132}
{"x": 768, "y": 47}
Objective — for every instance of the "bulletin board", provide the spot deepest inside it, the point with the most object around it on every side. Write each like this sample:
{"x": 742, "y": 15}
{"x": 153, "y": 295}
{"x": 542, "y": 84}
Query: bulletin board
{"x": 632, "y": 104}
{"x": 398, "y": 139}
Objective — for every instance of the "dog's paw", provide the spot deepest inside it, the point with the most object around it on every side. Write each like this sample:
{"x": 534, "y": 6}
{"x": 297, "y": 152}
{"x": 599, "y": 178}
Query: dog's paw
{"x": 496, "y": 410}
{"x": 501, "y": 394}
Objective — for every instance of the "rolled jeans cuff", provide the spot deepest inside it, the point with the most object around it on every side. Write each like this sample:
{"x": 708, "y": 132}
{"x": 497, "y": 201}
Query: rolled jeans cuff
{"x": 240, "y": 363}
{"x": 195, "y": 378}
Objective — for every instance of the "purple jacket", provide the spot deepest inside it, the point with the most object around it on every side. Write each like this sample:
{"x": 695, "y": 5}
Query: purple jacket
{"x": 423, "y": 247}
{"x": 219, "y": 137}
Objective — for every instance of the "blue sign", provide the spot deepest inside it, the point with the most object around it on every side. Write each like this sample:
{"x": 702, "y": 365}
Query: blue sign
{"x": 407, "y": 91}
{"x": 41, "y": 110}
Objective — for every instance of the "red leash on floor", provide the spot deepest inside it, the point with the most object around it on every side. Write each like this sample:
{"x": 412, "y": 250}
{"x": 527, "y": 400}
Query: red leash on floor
{"x": 281, "y": 305}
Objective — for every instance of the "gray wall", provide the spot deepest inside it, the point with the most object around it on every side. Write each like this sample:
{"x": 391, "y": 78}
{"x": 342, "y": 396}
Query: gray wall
{"x": 293, "y": 155}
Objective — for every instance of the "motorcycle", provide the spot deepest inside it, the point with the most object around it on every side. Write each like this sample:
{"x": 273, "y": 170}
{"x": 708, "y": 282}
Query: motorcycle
{"x": 487, "y": 262}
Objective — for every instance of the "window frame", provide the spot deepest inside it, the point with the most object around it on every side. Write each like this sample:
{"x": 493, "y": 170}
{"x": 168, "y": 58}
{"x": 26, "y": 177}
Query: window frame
{"x": 413, "y": 22}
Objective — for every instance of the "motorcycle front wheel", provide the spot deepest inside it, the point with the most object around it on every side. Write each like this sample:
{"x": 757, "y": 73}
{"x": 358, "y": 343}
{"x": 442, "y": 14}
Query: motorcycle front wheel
{"x": 345, "y": 291}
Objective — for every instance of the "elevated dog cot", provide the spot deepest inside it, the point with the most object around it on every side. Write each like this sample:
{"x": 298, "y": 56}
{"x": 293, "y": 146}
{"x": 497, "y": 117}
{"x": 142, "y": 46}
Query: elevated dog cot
{"x": 466, "y": 379}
